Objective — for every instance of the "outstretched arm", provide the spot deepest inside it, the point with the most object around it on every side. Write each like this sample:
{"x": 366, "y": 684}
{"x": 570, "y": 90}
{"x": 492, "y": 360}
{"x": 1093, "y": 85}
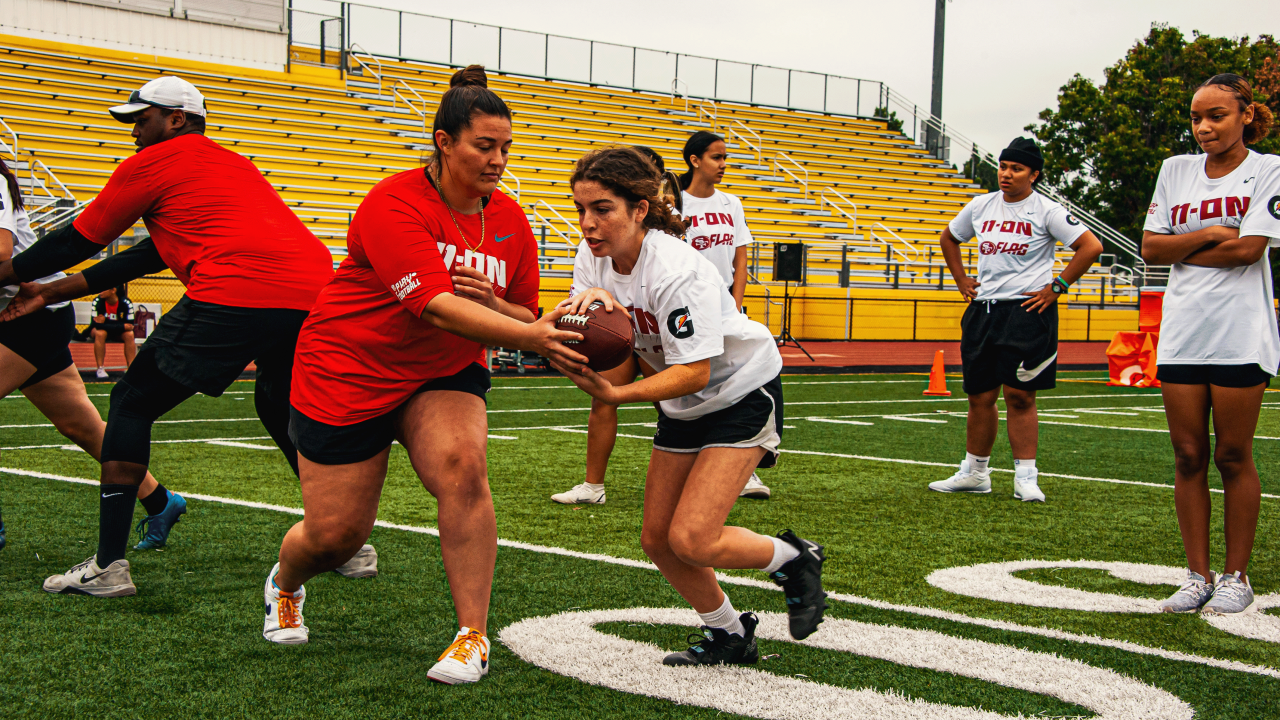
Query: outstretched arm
{"x": 54, "y": 252}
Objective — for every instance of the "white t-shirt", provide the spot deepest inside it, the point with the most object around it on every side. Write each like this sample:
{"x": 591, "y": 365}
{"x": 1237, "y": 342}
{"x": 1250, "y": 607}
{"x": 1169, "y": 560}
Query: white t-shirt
{"x": 717, "y": 228}
{"x": 1015, "y": 241}
{"x": 14, "y": 219}
{"x": 1218, "y": 316}
{"x": 682, "y": 312}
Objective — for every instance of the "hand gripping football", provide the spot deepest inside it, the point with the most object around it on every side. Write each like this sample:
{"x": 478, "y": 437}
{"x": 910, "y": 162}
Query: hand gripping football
{"x": 606, "y": 336}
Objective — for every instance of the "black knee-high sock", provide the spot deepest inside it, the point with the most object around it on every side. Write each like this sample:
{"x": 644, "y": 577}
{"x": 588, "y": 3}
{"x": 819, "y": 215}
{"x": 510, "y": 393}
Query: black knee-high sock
{"x": 115, "y": 519}
{"x": 156, "y": 502}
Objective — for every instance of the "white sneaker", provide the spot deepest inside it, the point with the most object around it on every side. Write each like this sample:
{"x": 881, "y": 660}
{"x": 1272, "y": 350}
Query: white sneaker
{"x": 465, "y": 661}
{"x": 283, "y": 623}
{"x": 581, "y": 494}
{"x": 1026, "y": 489}
{"x": 89, "y": 579}
{"x": 964, "y": 481}
{"x": 1232, "y": 595}
{"x": 364, "y": 564}
{"x": 102, "y": 373}
{"x": 755, "y": 489}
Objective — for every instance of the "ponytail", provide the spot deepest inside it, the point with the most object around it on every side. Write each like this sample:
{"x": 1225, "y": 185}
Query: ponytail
{"x": 697, "y": 144}
{"x": 468, "y": 95}
{"x": 15, "y": 190}
{"x": 629, "y": 174}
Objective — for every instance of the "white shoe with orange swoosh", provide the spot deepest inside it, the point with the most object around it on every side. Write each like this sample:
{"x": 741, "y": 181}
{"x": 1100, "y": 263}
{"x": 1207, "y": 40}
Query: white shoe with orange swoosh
{"x": 465, "y": 661}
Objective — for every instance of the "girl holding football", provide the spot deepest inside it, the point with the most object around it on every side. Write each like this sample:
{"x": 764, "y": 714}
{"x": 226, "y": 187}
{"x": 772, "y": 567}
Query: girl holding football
{"x": 1212, "y": 218}
{"x": 394, "y": 351}
{"x": 715, "y": 376}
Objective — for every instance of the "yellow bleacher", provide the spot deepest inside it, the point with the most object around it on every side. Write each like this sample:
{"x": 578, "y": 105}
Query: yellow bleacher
{"x": 854, "y": 192}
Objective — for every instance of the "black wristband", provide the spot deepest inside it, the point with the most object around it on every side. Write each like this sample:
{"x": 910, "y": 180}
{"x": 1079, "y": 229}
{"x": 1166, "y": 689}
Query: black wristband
{"x": 130, "y": 264}
{"x": 56, "y": 251}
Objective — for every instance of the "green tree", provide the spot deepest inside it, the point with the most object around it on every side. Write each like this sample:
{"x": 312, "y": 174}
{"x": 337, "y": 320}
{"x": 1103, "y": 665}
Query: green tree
{"x": 982, "y": 173}
{"x": 1104, "y": 144}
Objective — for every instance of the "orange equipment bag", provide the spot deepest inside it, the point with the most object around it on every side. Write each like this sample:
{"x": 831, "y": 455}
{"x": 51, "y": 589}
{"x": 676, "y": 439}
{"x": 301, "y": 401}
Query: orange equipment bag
{"x": 1131, "y": 359}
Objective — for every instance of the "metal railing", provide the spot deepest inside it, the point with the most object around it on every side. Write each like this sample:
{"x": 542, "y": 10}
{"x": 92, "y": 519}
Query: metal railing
{"x": 824, "y": 201}
{"x": 712, "y": 115}
{"x": 573, "y": 229}
{"x": 356, "y": 52}
{"x": 434, "y": 39}
{"x": 11, "y": 148}
{"x": 778, "y": 168}
{"x": 502, "y": 183}
{"x": 733, "y": 129}
{"x": 915, "y": 253}
{"x": 397, "y": 97}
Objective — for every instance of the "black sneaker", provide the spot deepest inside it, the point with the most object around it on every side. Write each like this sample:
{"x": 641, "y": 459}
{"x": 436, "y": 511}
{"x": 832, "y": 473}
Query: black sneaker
{"x": 801, "y": 580}
{"x": 715, "y": 646}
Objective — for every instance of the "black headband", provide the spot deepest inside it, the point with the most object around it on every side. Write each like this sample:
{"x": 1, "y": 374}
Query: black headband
{"x": 1022, "y": 157}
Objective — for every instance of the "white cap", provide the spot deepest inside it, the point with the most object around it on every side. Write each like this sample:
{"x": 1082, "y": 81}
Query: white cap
{"x": 169, "y": 92}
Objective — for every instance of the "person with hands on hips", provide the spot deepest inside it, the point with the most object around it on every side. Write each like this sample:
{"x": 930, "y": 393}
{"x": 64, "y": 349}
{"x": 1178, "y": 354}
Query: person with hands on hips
{"x": 715, "y": 376}
{"x": 1009, "y": 332}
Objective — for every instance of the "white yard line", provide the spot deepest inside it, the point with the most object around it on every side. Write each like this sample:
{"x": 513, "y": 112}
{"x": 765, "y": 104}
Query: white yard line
{"x": 834, "y": 420}
{"x": 232, "y": 443}
{"x": 1052, "y": 633}
{"x": 909, "y": 418}
{"x": 1106, "y": 412}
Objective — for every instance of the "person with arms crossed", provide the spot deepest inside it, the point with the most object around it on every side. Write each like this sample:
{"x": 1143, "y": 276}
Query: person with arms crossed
{"x": 251, "y": 269}
{"x": 602, "y": 423}
{"x": 1009, "y": 332}
{"x": 440, "y": 264}
{"x": 1213, "y": 217}
{"x": 112, "y": 313}
{"x": 716, "y": 377}
{"x": 35, "y": 359}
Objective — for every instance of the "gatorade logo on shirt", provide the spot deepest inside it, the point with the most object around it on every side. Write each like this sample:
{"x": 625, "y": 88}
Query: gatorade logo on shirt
{"x": 1273, "y": 207}
{"x": 680, "y": 323}
{"x": 1072, "y": 219}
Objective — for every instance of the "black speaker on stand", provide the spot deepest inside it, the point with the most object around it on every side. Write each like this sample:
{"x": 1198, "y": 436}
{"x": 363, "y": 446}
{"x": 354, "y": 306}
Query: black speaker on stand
{"x": 788, "y": 266}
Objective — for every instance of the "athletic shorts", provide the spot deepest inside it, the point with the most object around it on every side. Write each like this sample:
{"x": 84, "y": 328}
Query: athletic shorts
{"x": 1232, "y": 376}
{"x": 1003, "y": 344}
{"x": 115, "y": 333}
{"x": 753, "y": 421}
{"x": 205, "y": 346}
{"x": 41, "y": 339}
{"x": 327, "y": 444}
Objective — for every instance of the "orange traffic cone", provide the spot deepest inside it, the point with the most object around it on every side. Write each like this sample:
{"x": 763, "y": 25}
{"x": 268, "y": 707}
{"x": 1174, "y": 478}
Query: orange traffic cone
{"x": 938, "y": 378}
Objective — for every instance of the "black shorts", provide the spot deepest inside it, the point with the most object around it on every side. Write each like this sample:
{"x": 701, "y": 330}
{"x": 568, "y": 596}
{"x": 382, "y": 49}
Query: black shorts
{"x": 41, "y": 339}
{"x": 1003, "y": 344}
{"x": 753, "y": 421}
{"x": 115, "y": 333}
{"x": 1232, "y": 376}
{"x": 205, "y": 346}
{"x": 327, "y": 444}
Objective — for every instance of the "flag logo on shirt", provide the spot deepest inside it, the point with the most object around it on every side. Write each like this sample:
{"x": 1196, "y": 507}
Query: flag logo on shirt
{"x": 1273, "y": 207}
{"x": 680, "y": 323}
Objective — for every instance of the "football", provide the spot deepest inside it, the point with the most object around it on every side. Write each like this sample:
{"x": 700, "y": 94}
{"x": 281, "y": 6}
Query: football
{"x": 606, "y": 336}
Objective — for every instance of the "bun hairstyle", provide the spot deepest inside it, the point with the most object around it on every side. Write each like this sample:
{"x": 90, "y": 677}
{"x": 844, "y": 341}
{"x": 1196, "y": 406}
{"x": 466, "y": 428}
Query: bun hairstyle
{"x": 670, "y": 182}
{"x": 15, "y": 190}
{"x": 697, "y": 144}
{"x": 1260, "y": 126}
{"x": 632, "y": 176}
{"x": 468, "y": 95}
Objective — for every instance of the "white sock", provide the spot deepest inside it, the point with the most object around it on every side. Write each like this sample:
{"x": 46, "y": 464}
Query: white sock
{"x": 783, "y": 553}
{"x": 724, "y": 617}
{"x": 977, "y": 464}
{"x": 1024, "y": 467}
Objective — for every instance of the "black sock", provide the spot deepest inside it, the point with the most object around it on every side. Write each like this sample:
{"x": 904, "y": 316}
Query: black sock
{"x": 115, "y": 520}
{"x": 156, "y": 502}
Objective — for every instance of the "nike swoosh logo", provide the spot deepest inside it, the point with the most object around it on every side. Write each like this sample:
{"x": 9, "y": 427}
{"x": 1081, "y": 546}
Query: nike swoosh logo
{"x": 813, "y": 549}
{"x": 86, "y": 577}
{"x": 500, "y": 239}
{"x": 1029, "y": 375}
{"x": 112, "y": 495}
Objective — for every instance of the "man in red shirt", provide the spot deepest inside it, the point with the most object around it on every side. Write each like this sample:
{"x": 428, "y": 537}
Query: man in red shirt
{"x": 252, "y": 272}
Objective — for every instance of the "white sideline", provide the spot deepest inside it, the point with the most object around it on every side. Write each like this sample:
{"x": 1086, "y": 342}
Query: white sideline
{"x": 1052, "y": 633}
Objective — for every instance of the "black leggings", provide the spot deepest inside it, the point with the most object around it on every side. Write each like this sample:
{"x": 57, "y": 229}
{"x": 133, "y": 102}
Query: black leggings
{"x": 146, "y": 393}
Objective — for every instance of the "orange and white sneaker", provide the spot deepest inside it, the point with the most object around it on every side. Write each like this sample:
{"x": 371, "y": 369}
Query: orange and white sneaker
{"x": 465, "y": 661}
{"x": 283, "y": 623}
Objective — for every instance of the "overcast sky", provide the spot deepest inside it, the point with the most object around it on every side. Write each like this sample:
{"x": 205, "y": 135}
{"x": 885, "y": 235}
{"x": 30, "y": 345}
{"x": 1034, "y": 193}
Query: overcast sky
{"x": 1005, "y": 60}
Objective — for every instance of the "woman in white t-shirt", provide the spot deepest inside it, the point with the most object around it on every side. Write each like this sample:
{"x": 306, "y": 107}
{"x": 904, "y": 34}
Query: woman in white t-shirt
{"x": 1212, "y": 218}
{"x": 1009, "y": 332}
{"x": 35, "y": 358}
{"x": 716, "y": 226}
{"x": 715, "y": 376}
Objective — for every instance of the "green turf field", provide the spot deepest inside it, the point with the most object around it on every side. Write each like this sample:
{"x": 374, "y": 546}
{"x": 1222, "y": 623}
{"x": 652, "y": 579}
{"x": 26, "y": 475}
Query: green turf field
{"x": 861, "y": 449}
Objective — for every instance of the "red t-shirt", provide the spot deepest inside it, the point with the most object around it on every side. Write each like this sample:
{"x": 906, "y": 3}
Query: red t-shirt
{"x": 365, "y": 348}
{"x": 217, "y": 223}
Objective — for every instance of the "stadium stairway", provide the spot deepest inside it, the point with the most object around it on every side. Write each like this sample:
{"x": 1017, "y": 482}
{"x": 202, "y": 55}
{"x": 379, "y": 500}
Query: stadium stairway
{"x": 865, "y": 200}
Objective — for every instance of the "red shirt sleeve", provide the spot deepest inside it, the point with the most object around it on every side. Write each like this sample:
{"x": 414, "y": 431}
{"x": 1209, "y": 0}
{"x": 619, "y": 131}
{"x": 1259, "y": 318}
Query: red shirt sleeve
{"x": 125, "y": 199}
{"x": 402, "y": 251}
{"x": 523, "y": 288}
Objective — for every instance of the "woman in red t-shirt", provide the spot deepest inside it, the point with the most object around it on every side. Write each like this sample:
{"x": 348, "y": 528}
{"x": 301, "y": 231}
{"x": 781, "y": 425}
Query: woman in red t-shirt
{"x": 440, "y": 264}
